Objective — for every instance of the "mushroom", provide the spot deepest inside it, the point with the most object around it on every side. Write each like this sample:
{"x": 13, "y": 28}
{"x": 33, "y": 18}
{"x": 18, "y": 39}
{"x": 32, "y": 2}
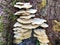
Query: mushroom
{"x": 26, "y": 12}
{"x": 30, "y": 26}
{"x": 38, "y": 21}
{"x": 20, "y": 3}
{"x": 22, "y": 13}
{"x": 40, "y": 31}
{"x": 15, "y": 32}
{"x": 44, "y": 25}
{"x": 41, "y": 35}
{"x": 20, "y": 30}
{"x": 17, "y": 24}
{"x": 27, "y": 17}
{"x": 17, "y": 41}
{"x": 25, "y": 26}
{"x": 21, "y": 37}
{"x": 32, "y": 11}
{"x": 17, "y": 28}
{"x": 43, "y": 40}
{"x": 18, "y": 6}
{"x": 24, "y": 21}
{"x": 25, "y": 5}
{"x": 43, "y": 44}
{"x": 23, "y": 34}
{"x": 16, "y": 36}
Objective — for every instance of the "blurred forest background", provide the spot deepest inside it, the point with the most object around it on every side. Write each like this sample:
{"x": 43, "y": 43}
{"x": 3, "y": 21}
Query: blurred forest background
{"x": 50, "y": 10}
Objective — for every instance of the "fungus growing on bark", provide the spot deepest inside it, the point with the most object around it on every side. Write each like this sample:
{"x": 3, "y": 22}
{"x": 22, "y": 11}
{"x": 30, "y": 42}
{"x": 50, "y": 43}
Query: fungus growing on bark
{"x": 25, "y": 23}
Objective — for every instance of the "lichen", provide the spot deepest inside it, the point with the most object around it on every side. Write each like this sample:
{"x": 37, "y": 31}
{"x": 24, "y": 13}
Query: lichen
{"x": 56, "y": 27}
{"x": 42, "y": 4}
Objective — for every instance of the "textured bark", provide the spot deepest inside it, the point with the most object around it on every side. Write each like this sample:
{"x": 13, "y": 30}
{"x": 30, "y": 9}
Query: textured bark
{"x": 52, "y": 12}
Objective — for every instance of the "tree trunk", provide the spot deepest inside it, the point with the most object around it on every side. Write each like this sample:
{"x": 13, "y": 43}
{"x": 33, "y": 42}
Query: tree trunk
{"x": 51, "y": 12}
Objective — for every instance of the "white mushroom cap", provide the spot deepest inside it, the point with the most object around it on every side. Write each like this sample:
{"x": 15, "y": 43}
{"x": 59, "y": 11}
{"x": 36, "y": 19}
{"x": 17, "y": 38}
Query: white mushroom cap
{"x": 22, "y": 13}
{"x": 18, "y": 6}
{"x": 29, "y": 26}
{"x": 16, "y": 36}
{"x": 23, "y": 5}
{"x": 20, "y": 30}
{"x": 38, "y": 21}
{"x": 42, "y": 39}
{"x": 26, "y": 5}
{"x": 27, "y": 17}
{"x": 15, "y": 32}
{"x": 41, "y": 32}
{"x": 17, "y": 24}
{"x": 24, "y": 21}
{"x": 17, "y": 41}
{"x": 23, "y": 34}
{"x": 32, "y": 11}
{"x": 19, "y": 12}
{"x": 41, "y": 36}
{"x": 17, "y": 28}
{"x": 26, "y": 12}
{"x": 25, "y": 37}
{"x": 44, "y": 25}
{"x": 43, "y": 44}
{"x": 21, "y": 37}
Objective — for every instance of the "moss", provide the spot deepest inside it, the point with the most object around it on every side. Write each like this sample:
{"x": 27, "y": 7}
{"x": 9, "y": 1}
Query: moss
{"x": 1, "y": 42}
{"x": 13, "y": 2}
{"x": 1, "y": 29}
{"x": 12, "y": 17}
{"x": 1, "y": 24}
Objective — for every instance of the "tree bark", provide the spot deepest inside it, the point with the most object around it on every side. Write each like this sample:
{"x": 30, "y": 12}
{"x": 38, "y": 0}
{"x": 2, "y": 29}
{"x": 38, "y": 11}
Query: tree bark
{"x": 52, "y": 11}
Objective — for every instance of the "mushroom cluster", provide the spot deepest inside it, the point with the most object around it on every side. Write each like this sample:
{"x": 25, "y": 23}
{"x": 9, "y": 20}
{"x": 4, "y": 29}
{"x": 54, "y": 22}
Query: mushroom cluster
{"x": 26, "y": 22}
{"x": 41, "y": 36}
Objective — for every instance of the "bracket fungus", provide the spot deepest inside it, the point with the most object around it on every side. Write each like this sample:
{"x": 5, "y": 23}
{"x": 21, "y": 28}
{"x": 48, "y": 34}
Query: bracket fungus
{"x": 27, "y": 17}
{"x": 38, "y": 21}
{"x": 22, "y": 5}
{"x": 27, "y": 12}
{"x": 21, "y": 30}
{"x": 25, "y": 23}
{"x": 41, "y": 35}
